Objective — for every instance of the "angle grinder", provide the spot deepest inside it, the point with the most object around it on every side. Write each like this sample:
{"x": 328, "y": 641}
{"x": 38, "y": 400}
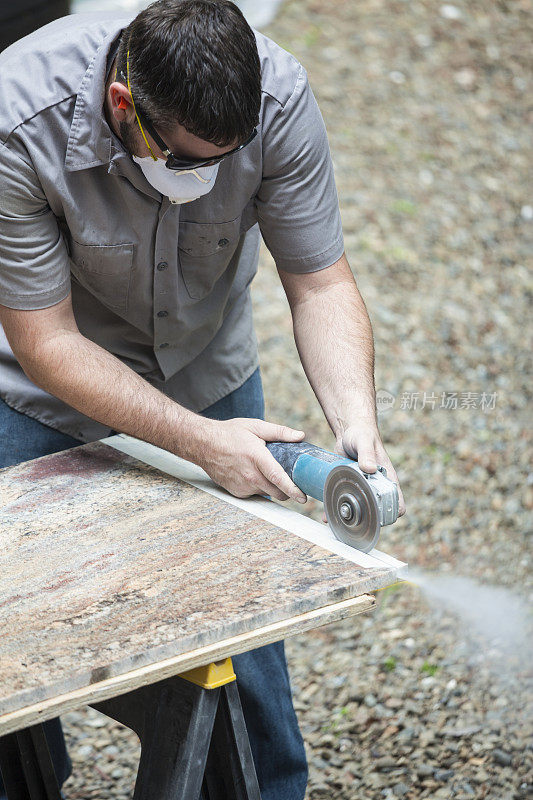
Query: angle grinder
{"x": 357, "y": 503}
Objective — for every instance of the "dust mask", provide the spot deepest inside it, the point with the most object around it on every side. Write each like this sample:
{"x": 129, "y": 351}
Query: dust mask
{"x": 181, "y": 186}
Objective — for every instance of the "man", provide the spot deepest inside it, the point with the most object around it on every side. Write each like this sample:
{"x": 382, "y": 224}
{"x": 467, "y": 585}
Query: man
{"x": 139, "y": 163}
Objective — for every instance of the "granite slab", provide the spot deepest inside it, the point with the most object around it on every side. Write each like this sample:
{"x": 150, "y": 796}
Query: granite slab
{"x": 272, "y": 511}
{"x": 108, "y": 564}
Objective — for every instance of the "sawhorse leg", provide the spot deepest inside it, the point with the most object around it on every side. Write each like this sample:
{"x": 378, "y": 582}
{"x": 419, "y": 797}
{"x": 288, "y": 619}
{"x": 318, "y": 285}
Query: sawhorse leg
{"x": 193, "y": 737}
{"x": 194, "y": 744}
{"x": 26, "y": 764}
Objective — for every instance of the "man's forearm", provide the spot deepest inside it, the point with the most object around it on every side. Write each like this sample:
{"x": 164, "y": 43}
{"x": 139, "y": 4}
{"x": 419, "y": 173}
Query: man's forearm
{"x": 96, "y": 383}
{"x": 334, "y": 338}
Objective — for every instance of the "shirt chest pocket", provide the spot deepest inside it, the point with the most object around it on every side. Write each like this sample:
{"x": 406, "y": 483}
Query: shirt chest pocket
{"x": 205, "y": 251}
{"x": 105, "y": 270}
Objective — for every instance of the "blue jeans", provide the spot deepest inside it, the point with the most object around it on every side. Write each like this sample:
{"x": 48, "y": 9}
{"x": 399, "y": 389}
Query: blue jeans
{"x": 262, "y": 675}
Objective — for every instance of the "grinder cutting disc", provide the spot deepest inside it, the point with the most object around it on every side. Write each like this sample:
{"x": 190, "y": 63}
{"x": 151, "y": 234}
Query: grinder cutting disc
{"x": 351, "y": 508}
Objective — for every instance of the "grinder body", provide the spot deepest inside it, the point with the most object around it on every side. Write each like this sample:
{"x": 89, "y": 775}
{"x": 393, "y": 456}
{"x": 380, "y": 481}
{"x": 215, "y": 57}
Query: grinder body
{"x": 357, "y": 503}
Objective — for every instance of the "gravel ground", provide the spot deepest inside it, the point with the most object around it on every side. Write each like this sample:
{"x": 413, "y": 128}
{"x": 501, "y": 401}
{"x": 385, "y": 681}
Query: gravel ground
{"x": 427, "y": 113}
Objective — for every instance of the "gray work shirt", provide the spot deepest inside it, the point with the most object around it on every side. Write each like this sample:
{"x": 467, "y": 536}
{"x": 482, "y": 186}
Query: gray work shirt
{"x": 165, "y": 288}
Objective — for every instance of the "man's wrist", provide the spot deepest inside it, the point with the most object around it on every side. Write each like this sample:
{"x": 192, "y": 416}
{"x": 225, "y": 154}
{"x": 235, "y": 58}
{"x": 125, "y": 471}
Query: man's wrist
{"x": 359, "y": 414}
{"x": 195, "y": 438}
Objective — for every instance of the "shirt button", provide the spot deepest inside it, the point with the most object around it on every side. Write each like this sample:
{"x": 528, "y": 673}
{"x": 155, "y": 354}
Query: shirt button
{"x": 223, "y": 242}
{"x": 162, "y": 265}
{"x": 163, "y": 344}
{"x": 162, "y": 313}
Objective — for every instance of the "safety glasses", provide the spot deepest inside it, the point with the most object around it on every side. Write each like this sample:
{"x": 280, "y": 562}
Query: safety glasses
{"x": 173, "y": 161}
{"x": 179, "y": 162}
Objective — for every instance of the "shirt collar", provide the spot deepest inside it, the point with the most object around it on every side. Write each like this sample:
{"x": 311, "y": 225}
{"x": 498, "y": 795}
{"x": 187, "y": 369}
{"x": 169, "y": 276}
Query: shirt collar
{"x": 90, "y": 142}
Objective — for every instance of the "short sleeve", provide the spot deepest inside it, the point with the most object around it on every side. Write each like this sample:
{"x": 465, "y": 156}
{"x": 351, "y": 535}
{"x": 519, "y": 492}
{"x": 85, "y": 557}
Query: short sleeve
{"x": 34, "y": 264}
{"x": 297, "y": 203}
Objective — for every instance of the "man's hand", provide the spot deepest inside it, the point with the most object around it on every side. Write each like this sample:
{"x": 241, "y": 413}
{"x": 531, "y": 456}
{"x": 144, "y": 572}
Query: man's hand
{"x": 237, "y": 458}
{"x": 361, "y": 440}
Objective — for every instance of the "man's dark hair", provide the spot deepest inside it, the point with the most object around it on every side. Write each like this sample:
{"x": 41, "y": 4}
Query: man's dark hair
{"x": 195, "y": 63}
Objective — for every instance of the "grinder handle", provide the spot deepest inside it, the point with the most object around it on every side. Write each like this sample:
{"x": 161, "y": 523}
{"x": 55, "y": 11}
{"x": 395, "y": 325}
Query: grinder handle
{"x": 287, "y": 453}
